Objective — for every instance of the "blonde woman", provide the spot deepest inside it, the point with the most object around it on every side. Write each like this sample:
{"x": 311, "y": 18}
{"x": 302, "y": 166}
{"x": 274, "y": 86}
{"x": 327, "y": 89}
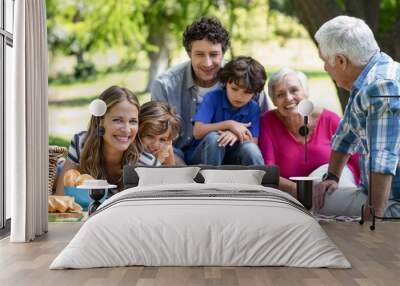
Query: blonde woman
{"x": 103, "y": 156}
{"x": 159, "y": 125}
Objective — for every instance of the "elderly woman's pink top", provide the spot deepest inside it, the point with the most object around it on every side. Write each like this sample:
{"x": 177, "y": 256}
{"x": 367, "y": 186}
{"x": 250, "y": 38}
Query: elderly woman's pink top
{"x": 279, "y": 147}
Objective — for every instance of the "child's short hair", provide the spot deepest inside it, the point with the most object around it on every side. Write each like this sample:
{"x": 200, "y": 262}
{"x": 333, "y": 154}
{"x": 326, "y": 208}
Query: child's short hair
{"x": 158, "y": 117}
{"x": 246, "y": 72}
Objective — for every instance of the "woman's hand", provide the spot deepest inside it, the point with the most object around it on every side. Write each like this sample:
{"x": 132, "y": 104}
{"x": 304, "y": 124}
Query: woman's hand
{"x": 292, "y": 189}
{"x": 288, "y": 186}
{"x": 319, "y": 192}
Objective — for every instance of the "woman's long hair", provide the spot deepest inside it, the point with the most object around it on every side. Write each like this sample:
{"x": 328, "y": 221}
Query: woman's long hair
{"x": 92, "y": 157}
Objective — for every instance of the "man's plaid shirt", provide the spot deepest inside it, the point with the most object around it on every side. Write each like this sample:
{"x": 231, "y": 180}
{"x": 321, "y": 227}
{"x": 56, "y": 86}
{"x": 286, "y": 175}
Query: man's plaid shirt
{"x": 371, "y": 121}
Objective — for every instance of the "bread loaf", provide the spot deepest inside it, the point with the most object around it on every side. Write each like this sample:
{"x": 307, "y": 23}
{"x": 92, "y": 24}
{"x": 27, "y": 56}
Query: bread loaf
{"x": 79, "y": 181}
{"x": 70, "y": 178}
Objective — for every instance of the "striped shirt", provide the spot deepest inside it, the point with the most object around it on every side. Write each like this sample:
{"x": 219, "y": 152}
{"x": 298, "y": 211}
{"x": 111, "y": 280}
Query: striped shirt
{"x": 371, "y": 121}
{"x": 78, "y": 141}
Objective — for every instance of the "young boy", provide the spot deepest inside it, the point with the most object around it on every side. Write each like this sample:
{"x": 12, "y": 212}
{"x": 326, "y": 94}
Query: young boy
{"x": 227, "y": 122}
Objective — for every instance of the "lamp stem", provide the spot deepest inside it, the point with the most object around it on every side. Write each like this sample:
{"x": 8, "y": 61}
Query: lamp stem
{"x": 305, "y": 138}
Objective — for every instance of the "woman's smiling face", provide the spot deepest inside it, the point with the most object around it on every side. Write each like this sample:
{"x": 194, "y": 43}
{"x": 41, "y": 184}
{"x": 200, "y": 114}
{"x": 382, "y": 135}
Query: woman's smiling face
{"x": 121, "y": 126}
{"x": 287, "y": 94}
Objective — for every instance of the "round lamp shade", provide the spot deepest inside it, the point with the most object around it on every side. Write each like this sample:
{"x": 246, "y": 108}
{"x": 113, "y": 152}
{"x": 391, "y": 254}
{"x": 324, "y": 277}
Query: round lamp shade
{"x": 97, "y": 107}
{"x": 305, "y": 107}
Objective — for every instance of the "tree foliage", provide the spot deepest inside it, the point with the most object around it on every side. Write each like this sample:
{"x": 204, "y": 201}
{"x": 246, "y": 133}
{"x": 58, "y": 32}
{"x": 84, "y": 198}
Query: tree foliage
{"x": 83, "y": 27}
{"x": 80, "y": 27}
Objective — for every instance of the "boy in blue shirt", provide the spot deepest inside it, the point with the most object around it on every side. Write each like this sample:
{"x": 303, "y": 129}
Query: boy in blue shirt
{"x": 227, "y": 122}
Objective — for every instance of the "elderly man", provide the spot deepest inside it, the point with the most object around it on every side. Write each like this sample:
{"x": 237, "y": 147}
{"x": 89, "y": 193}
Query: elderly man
{"x": 371, "y": 122}
{"x": 185, "y": 85}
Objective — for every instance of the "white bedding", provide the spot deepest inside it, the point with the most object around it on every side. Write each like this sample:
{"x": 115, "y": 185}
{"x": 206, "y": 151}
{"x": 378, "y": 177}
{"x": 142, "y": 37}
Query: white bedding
{"x": 264, "y": 229}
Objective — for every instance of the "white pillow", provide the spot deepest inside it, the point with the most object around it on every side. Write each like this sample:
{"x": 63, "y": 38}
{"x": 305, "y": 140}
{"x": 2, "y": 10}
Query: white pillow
{"x": 249, "y": 177}
{"x": 166, "y": 176}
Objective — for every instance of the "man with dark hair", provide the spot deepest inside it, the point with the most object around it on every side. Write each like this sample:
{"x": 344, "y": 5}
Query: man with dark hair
{"x": 185, "y": 85}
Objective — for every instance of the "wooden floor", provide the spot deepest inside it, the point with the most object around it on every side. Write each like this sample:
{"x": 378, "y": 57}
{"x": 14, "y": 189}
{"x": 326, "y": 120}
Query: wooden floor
{"x": 374, "y": 255}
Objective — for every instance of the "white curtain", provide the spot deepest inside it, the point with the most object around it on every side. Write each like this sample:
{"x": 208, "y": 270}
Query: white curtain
{"x": 26, "y": 123}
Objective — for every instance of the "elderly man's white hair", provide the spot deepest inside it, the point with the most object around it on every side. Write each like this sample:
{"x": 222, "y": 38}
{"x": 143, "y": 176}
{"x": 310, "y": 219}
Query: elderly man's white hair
{"x": 276, "y": 77}
{"x": 347, "y": 36}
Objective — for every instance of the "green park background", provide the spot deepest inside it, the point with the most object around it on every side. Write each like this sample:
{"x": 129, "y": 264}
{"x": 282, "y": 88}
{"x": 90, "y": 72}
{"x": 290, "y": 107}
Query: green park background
{"x": 97, "y": 43}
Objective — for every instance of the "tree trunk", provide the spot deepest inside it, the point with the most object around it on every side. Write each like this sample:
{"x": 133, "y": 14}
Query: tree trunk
{"x": 159, "y": 59}
{"x": 370, "y": 12}
{"x": 313, "y": 13}
{"x": 79, "y": 57}
{"x": 390, "y": 41}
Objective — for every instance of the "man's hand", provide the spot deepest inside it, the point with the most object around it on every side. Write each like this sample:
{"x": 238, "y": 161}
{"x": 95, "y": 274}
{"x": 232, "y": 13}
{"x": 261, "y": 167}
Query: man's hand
{"x": 240, "y": 130}
{"x": 226, "y": 137}
{"x": 367, "y": 212}
{"x": 319, "y": 192}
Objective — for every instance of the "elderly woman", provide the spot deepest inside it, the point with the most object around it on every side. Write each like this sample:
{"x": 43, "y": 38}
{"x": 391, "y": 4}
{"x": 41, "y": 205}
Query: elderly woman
{"x": 281, "y": 142}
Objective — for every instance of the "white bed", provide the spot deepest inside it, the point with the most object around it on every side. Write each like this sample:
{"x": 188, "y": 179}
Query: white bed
{"x": 201, "y": 224}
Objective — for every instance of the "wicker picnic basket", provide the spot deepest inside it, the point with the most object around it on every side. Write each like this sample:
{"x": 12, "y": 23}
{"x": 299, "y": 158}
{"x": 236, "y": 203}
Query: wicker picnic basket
{"x": 55, "y": 153}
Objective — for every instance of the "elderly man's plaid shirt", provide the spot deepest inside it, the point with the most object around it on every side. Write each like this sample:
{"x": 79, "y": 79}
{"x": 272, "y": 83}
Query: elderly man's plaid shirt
{"x": 373, "y": 112}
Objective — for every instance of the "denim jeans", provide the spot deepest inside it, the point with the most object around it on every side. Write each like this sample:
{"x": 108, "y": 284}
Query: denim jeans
{"x": 208, "y": 152}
